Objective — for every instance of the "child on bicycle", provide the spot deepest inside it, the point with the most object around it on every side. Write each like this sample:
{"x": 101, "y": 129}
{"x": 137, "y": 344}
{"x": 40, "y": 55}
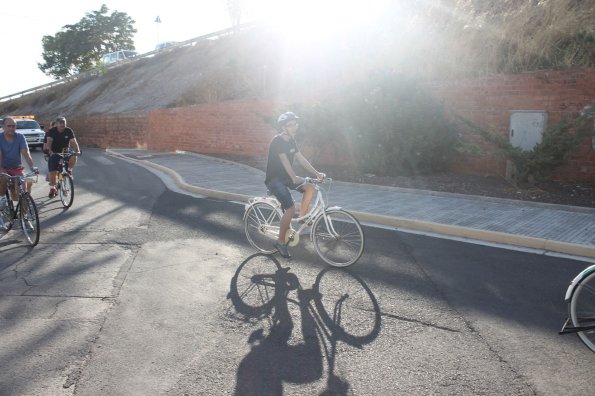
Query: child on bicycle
{"x": 280, "y": 176}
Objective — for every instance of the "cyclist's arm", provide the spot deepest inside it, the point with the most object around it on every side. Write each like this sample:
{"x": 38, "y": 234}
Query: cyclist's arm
{"x": 49, "y": 145}
{"x": 27, "y": 155}
{"x": 307, "y": 165}
{"x": 289, "y": 169}
{"x": 75, "y": 145}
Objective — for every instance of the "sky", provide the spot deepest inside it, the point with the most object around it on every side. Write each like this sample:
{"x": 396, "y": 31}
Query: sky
{"x": 23, "y": 25}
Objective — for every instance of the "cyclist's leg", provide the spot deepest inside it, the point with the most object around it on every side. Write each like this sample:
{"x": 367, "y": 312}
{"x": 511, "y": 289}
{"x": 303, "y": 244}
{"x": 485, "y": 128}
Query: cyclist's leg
{"x": 71, "y": 164}
{"x": 284, "y": 225}
{"x": 3, "y": 183}
{"x": 14, "y": 191}
{"x": 308, "y": 193}
{"x": 283, "y": 195}
{"x": 53, "y": 162}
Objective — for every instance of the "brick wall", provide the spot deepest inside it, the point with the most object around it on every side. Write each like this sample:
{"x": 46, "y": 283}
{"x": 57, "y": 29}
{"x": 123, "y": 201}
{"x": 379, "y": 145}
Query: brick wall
{"x": 489, "y": 102}
{"x": 241, "y": 127}
{"x": 127, "y": 130}
{"x": 237, "y": 127}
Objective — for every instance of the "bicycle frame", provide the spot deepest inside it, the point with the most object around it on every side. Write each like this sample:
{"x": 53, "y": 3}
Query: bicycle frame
{"x": 319, "y": 208}
{"x": 18, "y": 184}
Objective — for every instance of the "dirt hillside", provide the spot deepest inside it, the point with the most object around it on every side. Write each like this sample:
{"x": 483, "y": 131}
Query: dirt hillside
{"x": 207, "y": 71}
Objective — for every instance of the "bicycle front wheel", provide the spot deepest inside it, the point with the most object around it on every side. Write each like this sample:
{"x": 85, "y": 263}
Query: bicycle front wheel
{"x": 29, "y": 218}
{"x": 7, "y": 215}
{"x": 582, "y": 309}
{"x": 66, "y": 191}
{"x": 338, "y": 238}
{"x": 347, "y": 306}
{"x": 261, "y": 224}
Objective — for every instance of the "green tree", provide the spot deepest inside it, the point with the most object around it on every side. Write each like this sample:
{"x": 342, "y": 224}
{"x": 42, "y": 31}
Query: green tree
{"x": 76, "y": 48}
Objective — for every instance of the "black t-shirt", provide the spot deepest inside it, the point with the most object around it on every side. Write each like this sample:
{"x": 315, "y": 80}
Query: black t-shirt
{"x": 61, "y": 139}
{"x": 274, "y": 166}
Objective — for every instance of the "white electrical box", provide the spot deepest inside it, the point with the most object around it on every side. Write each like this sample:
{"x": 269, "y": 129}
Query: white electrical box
{"x": 526, "y": 128}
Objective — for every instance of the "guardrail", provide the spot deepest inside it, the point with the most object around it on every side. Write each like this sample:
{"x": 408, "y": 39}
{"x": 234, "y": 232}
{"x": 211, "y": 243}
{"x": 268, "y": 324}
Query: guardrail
{"x": 93, "y": 72}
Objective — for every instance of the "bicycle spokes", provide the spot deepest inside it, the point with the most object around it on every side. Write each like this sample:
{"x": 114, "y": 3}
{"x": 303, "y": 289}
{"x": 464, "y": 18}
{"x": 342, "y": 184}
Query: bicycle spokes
{"x": 29, "y": 219}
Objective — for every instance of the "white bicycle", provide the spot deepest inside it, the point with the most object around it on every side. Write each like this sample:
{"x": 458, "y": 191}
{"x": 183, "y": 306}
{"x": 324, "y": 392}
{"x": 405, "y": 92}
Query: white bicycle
{"x": 337, "y": 235}
{"x": 580, "y": 297}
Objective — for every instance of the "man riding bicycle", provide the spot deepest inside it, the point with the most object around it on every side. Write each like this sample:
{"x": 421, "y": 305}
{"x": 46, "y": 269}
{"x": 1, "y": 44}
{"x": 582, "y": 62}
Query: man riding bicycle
{"x": 13, "y": 146}
{"x": 59, "y": 139}
{"x": 280, "y": 176}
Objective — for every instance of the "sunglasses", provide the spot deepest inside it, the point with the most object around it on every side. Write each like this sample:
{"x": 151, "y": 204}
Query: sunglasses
{"x": 10, "y": 125}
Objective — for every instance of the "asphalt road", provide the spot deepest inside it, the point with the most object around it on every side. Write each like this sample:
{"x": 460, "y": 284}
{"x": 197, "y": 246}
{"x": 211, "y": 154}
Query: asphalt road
{"x": 141, "y": 290}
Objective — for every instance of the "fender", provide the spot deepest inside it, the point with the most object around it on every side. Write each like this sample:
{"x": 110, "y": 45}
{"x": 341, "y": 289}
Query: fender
{"x": 333, "y": 208}
{"x": 266, "y": 199}
{"x": 583, "y": 274}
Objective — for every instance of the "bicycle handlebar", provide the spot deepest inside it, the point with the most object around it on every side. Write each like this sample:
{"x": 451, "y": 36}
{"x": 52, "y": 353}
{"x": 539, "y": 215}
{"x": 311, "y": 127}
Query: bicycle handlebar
{"x": 310, "y": 180}
{"x": 25, "y": 176}
{"x": 69, "y": 154}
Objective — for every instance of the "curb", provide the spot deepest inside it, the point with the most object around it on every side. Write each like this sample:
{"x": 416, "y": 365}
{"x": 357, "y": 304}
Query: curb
{"x": 398, "y": 222}
{"x": 482, "y": 235}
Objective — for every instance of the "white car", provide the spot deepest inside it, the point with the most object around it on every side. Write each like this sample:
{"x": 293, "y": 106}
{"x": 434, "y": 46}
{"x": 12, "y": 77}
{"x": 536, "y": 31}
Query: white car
{"x": 30, "y": 128}
{"x": 118, "y": 56}
{"x": 165, "y": 45}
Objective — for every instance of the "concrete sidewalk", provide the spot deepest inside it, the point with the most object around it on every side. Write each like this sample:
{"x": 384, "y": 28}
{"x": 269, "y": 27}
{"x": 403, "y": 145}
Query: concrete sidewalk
{"x": 553, "y": 228}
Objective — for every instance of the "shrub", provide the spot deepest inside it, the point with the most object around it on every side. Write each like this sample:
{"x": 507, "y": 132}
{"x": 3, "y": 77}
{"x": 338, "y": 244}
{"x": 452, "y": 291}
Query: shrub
{"x": 558, "y": 142}
{"x": 387, "y": 125}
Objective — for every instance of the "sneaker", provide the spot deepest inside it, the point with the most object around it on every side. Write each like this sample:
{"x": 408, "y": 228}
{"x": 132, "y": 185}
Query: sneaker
{"x": 282, "y": 249}
{"x": 52, "y": 193}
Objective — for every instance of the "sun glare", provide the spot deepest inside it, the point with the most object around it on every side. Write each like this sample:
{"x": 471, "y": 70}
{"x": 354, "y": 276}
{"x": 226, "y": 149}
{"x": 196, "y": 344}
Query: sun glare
{"x": 310, "y": 20}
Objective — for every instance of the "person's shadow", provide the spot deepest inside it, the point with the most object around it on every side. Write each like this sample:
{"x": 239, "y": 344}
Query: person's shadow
{"x": 272, "y": 360}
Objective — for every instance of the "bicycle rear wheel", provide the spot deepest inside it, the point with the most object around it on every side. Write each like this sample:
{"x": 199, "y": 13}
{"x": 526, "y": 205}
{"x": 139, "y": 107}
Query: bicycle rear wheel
{"x": 261, "y": 224}
{"x": 339, "y": 240}
{"x": 29, "y": 218}
{"x": 66, "y": 190}
{"x": 582, "y": 309}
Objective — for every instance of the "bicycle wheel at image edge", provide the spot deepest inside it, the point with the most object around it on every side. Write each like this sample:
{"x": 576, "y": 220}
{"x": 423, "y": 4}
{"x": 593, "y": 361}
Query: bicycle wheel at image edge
{"x": 66, "y": 191}
{"x": 347, "y": 306}
{"x": 252, "y": 289}
{"x": 340, "y": 241}
{"x": 6, "y": 215}
{"x": 582, "y": 309}
{"x": 261, "y": 224}
{"x": 29, "y": 219}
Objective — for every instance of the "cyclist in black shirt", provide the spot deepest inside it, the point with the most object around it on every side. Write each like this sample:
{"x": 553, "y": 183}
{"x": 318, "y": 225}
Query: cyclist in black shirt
{"x": 280, "y": 176}
{"x": 59, "y": 139}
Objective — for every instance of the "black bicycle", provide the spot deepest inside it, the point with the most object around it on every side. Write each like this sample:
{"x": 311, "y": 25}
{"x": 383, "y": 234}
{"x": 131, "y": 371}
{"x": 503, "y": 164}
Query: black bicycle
{"x": 65, "y": 182}
{"x": 25, "y": 210}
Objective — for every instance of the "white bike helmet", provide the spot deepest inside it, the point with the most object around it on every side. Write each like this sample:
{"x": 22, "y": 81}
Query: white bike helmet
{"x": 286, "y": 117}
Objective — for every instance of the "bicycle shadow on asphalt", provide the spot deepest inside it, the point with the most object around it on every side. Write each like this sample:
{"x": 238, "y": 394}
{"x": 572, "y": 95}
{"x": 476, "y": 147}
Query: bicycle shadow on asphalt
{"x": 260, "y": 292}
